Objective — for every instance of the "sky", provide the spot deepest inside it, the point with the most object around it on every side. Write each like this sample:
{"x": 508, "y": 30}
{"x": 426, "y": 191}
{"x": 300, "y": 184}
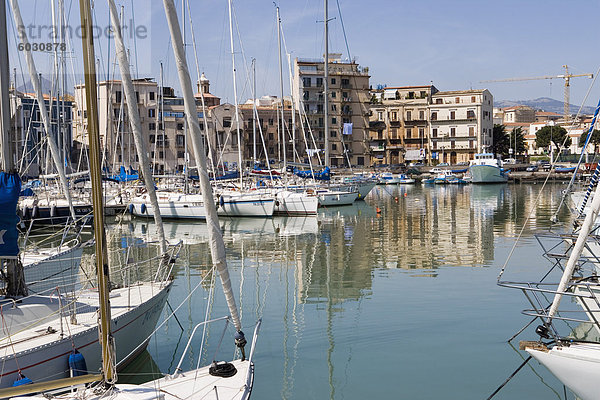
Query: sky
{"x": 454, "y": 44}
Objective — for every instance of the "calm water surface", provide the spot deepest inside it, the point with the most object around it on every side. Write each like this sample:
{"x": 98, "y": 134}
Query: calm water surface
{"x": 357, "y": 303}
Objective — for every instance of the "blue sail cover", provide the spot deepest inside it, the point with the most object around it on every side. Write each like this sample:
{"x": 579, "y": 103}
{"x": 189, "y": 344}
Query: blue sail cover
{"x": 10, "y": 188}
{"x": 324, "y": 175}
{"x": 123, "y": 176}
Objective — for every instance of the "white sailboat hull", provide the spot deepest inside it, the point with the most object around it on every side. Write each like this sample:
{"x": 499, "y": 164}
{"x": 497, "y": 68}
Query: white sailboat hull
{"x": 245, "y": 204}
{"x": 295, "y": 203}
{"x": 336, "y": 198}
{"x": 42, "y": 355}
{"x": 44, "y": 270}
{"x": 577, "y": 366}
{"x": 176, "y": 206}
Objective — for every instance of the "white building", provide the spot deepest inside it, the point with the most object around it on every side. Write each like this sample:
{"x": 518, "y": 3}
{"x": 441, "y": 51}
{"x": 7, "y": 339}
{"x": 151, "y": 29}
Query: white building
{"x": 461, "y": 124}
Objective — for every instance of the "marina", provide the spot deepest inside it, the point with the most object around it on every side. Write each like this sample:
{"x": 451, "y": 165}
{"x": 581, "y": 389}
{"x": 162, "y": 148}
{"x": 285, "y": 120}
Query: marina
{"x": 217, "y": 201}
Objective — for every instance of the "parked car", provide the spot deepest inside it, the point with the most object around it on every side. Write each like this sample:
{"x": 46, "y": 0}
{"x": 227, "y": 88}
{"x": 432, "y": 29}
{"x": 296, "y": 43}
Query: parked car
{"x": 436, "y": 170}
{"x": 443, "y": 165}
{"x": 531, "y": 168}
{"x": 463, "y": 163}
{"x": 546, "y": 166}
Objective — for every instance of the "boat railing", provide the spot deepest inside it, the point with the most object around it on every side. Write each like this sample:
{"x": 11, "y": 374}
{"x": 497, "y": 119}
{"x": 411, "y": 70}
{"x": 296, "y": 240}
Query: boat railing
{"x": 585, "y": 295}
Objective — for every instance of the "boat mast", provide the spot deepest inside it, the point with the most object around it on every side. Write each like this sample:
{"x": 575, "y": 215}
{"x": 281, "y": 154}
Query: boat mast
{"x": 217, "y": 247}
{"x": 282, "y": 126}
{"x": 136, "y": 124}
{"x": 254, "y": 116}
{"x": 237, "y": 115}
{"x": 7, "y": 161}
{"x": 106, "y": 340}
{"x": 35, "y": 80}
{"x": 326, "y": 85}
{"x": 586, "y": 228}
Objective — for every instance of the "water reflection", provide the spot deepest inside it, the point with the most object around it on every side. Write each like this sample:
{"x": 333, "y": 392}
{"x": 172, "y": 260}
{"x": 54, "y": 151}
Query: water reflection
{"x": 316, "y": 280}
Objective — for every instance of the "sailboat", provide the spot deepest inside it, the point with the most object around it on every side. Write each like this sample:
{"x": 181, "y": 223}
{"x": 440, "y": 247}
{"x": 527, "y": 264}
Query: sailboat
{"x": 574, "y": 360}
{"x": 218, "y": 380}
{"x": 40, "y": 331}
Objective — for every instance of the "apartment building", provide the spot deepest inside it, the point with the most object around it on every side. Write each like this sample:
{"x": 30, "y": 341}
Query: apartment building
{"x": 265, "y": 133}
{"x": 348, "y": 107}
{"x": 163, "y": 123}
{"x": 28, "y": 132}
{"x": 461, "y": 124}
{"x": 399, "y": 124}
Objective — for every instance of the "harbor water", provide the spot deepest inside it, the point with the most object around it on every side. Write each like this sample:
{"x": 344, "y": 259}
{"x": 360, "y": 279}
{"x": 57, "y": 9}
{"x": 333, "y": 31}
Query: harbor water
{"x": 393, "y": 297}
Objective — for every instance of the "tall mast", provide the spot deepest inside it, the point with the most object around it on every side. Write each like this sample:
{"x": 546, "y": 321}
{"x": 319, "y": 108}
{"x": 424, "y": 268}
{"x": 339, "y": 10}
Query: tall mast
{"x": 108, "y": 354}
{"x": 35, "y": 80}
{"x": 282, "y": 132}
{"x": 326, "y": 86}
{"x": 217, "y": 247}
{"x": 253, "y": 114}
{"x": 135, "y": 122}
{"x": 237, "y": 115}
{"x": 7, "y": 161}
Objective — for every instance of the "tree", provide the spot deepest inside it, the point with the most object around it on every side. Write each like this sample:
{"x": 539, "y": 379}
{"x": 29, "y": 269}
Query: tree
{"x": 517, "y": 140}
{"x": 556, "y": 134}
{"x": 595, "y": 140}
{"x": 500, "y": 144}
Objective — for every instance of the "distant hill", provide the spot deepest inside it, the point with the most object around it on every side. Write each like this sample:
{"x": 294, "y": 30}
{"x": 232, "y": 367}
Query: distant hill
{"x": 544, "y": 104}
{"x": 28, "y": 87}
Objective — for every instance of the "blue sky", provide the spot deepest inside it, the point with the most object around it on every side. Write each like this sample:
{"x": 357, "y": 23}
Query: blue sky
{"x": 455, "y": 44}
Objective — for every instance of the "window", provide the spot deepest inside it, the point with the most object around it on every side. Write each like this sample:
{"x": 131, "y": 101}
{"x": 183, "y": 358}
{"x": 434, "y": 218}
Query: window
{"x": 333, "y": 107}
{"x": 334, "y": 120}
{"x": 333, "y": 95}
{"x": 380, "y": 115}
{"x": 332, "y": 134}
{"x": 423, "y": 94}
{"x": 305, "y": 95}
{"x": 137, "y": 97}
{"x": 452, "y": 132}
{"x": 472, "y": 99}
{"x": 345, "y": 82}
{"x": 452, "y": 114}
{"x": 393, "y": 133}
{"x": 152, "y": 140}
{"x": 333, "y": 81}
{"x": 161, "y": 154}
{"x": 438, "y": 101}
{"x": 306, "y": 82}
{"x": 408, "y": 133}
{"x": 394, "y": 116}
{"x": 271, "y": 121}
{"x": 271, "y": 136}
{"x": 434, "y": 115}
{"x": 179, "y": 140}
{"x": 180, "y": 127}
{"x": 345, "y": 95}
{"x": 118, "y": 97}
{"x": 152, "y": 126}
{"x": 408, "y": 115}
{"x": 471, "y": 131}
{"x": 151, "y": 113}
{"x": 421, "y": 132}
{"x": 360, "y": 160}
{"x": 422, "y": 115}
{"x": 434, "y": 132}
{"x": 151, "y": 94}
{"x": 333, "y": 146}
{"x": 226, "y": 122}
{"x": 457, "y": 100}
{"x": 471, "y": 114}
{"x": 319, "y": 81}
{"x": 452, "y": 144}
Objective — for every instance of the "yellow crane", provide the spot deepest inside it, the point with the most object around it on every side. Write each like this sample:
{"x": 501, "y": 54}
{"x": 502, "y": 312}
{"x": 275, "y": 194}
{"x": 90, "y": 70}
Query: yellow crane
{"x": 566, "y": 76}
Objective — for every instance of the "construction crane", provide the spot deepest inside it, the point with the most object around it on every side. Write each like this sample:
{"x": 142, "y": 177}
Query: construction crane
{"x": 566, "y": 76}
